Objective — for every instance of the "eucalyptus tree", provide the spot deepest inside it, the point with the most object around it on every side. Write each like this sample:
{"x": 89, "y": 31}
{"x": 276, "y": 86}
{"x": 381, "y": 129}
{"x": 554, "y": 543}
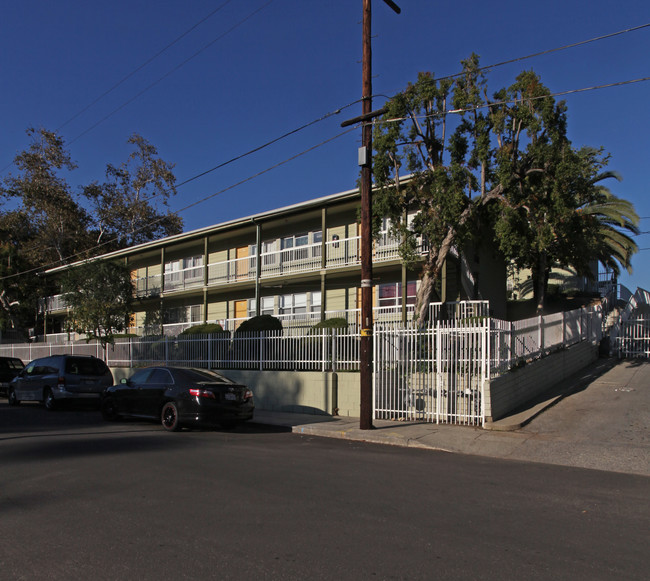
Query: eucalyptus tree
{"x": 501, "y": 164}
{"x": 449, "y": 163}
{"x": 131, "y": 206}
{"x": 42, "y": 194}
{"x": 41, "y": 224}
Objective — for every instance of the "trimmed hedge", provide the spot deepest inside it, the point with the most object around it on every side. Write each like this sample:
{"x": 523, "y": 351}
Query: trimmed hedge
{"x": 260, "y": 323}
{"x": 205, "y": 329}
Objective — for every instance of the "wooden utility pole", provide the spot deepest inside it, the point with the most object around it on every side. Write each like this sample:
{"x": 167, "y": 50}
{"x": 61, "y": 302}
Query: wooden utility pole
{"x": 365, "y": 160}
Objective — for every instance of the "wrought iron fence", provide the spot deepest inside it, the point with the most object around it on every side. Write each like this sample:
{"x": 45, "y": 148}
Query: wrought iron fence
{"x": 634, "y": 338}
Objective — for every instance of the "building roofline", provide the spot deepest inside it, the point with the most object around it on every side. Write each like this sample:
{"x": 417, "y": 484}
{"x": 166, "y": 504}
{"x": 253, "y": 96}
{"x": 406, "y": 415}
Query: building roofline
{"x": 206, "y": 230}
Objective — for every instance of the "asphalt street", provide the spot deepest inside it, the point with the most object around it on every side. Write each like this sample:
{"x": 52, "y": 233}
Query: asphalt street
{"x": 84, "y": 499}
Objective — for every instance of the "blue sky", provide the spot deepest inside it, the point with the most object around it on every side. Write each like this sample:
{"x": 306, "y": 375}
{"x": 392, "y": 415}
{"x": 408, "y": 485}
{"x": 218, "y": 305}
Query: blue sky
{"x": 254, "y": 70}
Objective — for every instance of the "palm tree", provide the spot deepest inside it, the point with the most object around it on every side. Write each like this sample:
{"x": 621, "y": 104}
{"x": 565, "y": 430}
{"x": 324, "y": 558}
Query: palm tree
{"x": 615, "y": 221}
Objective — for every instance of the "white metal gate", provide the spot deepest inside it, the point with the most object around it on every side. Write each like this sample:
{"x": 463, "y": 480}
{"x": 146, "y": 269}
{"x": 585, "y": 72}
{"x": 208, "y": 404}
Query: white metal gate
{"x": 435, "y": 374}
{"x": 634, "y": 338}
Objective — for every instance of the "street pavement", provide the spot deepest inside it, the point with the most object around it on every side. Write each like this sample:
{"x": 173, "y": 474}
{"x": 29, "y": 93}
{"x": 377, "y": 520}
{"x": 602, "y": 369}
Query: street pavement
{"x": 596, "y": 419}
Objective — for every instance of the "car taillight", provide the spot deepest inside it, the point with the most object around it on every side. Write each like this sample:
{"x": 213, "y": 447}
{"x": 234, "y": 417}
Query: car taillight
{"x": 202, "y": 393}
{"x": 60, "y": 381}
{"x": 248, "y": 394}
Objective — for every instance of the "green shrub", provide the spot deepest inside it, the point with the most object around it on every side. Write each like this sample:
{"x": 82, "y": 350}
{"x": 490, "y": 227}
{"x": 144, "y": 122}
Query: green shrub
{"x": 204, "y": 329}
{"x": 335, "y": 323}
{"x": 260, "y": 323}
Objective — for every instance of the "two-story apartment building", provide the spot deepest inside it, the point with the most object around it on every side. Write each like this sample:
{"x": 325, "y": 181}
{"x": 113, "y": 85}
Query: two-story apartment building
{"x": 300, "y": 263}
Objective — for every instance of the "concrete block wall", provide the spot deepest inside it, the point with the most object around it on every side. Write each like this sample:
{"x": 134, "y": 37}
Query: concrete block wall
{"x": 304, "y": 392}
{"x": 512, "y": 390}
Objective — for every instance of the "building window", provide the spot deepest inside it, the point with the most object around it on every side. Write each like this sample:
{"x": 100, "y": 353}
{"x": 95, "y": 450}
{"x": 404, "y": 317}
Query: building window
{"x": 187, "y": 314}
{"x": 177, "y": 272}
{"x": 293, "y": 304}
{"x": 267, "y": 306}
{"x": 390, "y": 295}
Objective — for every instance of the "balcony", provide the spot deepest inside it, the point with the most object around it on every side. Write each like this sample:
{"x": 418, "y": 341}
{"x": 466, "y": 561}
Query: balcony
{"x": 52, "y": 304}
{"x": 300, "y": 259}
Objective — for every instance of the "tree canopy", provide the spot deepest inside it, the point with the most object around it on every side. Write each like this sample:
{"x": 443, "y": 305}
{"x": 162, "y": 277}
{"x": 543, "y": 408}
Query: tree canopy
{"x": 44, "y": 223}
{"x": 100, "y": 294}
{"x": 502, "y": 164}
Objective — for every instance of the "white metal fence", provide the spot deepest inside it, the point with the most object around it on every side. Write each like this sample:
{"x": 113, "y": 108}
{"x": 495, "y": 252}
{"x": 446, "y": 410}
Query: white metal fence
{"x": 434, "y": 374}
{"x": 517, "y": 341}
{"x": 634, "y": 338}
{"x": 291, "y": 349}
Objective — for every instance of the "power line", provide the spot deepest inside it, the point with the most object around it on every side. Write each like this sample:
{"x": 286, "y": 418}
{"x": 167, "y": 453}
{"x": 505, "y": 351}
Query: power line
{"x": 306, "y": 151}
{"x": 171, "y": 71}
{"x": 565, "y": 47}
{"x": 196, "y": 203}
{"x": 143, "y": 65}
{"x": 545, "y": 52}
{"x": 129, "y": 101}
{"x": 511, "y": 101}
{"x": 268, "y": 143}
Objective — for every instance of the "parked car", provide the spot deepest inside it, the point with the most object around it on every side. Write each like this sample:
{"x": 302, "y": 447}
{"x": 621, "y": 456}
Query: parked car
{"x": 179, "y": 397}
{"x": 60, "y": 377}
{"x": 9, "y": 368}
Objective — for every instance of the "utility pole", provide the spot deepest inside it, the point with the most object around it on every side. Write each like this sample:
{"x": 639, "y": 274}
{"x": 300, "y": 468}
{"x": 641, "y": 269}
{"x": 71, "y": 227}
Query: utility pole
{"x": 365, "y": 161}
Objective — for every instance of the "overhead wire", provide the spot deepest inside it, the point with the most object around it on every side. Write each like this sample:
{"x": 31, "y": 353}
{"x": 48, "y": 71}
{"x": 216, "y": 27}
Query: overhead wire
{"x": 237, "y": 184}
{"x": 144, "y": 64}
{"x": 256, "y": 149}
{"x": 171, "y": 71}
{"x": 195, "y": 203}
{"x": 511, "y": 101}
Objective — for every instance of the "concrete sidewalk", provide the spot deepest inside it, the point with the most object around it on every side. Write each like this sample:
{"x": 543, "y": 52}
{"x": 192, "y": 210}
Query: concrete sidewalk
{"x": 570, "y": 442}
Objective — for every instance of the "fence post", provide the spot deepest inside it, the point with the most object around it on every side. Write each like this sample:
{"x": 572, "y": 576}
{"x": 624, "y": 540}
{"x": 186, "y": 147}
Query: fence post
{"x": 540, "y": 335}
{"x": 261, "y": 349}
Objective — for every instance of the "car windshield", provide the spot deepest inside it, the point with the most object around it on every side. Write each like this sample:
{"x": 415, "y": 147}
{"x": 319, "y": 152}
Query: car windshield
{"x": 15, "y": 364}
{"x": 201, "y": 376}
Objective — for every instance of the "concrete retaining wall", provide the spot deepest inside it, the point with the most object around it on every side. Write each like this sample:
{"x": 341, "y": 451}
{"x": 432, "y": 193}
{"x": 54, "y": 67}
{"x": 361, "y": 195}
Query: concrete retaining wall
{"x": 512, "y": 390}
{"x": 305, "y": 392}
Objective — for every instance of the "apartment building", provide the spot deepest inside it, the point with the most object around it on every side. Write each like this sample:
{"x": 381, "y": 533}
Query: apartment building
{"x": 300, "y": 263}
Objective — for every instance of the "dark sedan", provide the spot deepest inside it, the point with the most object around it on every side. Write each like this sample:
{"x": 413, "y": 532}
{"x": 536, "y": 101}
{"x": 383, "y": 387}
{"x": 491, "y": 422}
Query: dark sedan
{"x": 179, "y": 397}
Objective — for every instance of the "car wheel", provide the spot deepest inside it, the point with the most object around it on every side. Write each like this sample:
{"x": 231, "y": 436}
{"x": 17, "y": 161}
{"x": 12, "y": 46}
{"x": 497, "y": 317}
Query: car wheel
{"x": 48, "y": 399}
{"x": 13, "y": 400}
{"x": 109, "y": 410}
{"x": 169, "y": 417}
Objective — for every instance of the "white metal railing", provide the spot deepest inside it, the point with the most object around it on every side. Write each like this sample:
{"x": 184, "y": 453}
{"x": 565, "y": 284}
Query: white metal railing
{"x": 147, "y": 286}
{"x": 52, "y": 303}
{"x": 183, "y": 279}
{"x": 634, "y": 338}
{"x": 299, "y": 259}
{"x": 435, "y": 374}
{"x": 517, "y": 341}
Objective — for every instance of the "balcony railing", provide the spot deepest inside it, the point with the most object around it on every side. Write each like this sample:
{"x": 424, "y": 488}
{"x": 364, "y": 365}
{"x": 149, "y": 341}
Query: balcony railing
{"x": 300, "y": 259}
{"x": 52, "y": 304}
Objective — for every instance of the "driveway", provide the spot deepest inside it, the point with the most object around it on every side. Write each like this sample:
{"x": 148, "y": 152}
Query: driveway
{"x": 603, "y": 424}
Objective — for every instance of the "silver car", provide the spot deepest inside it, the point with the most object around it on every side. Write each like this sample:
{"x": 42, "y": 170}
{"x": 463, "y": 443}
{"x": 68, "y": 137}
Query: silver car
{"x": 60, "y": 377}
